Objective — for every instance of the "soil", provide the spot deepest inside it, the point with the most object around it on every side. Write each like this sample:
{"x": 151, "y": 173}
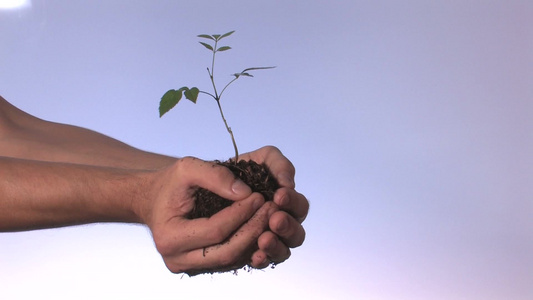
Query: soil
{"x": 257, "y": 176}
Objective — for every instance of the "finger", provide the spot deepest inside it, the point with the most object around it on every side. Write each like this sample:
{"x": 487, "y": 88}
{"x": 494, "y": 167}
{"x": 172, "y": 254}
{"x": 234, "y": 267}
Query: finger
{"x": 278, "y": 164}
{"x": 260, "y": 260}
{"x": 203, "y": 232}
{"x": 275, "y": 250}
{"x": 233, "y": 253}
{"x": 213, "y": 177}
{"x": 292, "y": 202}
{"x": 287, "y": 228}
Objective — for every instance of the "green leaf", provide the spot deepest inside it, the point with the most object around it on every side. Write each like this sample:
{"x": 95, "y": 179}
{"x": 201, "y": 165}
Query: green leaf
{"x": 192, "y": 94}
{"x": 242, "y": 74}
{"x": 216, "y": 36}
{"x": 207, "y": 46}
{"x": 245, "y": 71}
{"x": 223, "y": 48}
{"x": 206, "y": 36}
{"x": 257, "y": 68}
{"x": 172, "y": 97}
{"x": 226, "y": 34}
{"x": 168, "y": 101}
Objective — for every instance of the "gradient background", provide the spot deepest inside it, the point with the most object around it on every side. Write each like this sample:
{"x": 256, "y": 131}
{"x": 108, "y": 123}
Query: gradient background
{"x": 410, "y": 124}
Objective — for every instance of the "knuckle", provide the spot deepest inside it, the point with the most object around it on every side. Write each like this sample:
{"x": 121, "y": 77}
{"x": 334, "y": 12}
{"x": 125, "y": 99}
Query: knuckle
{"x": 176, "y": 268}
{"x": 163, "y": 245}
{"x": 270, "y": 148}
{"x": 174, "y": 260}
{"x": 187, "y": 161}
{"x": 229, "y": 259}
{"x": 216, "y": 235}
{"x": 167, "y": 244}
{"x": 221, "y": 174}
{"x": 291, "y": 167}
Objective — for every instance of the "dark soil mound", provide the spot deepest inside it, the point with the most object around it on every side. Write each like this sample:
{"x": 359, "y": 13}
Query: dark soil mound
{"x": 257, "y": 176}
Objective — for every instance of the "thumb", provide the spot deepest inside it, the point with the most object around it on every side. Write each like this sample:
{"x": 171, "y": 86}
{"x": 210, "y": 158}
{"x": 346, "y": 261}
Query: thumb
{"x": 213, "y": 177}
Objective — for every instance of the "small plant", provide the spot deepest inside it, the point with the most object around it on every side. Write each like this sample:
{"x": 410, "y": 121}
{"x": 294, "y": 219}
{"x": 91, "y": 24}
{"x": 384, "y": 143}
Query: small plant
{"x": 257, "y": 176}
{"x": 172, "y": 97}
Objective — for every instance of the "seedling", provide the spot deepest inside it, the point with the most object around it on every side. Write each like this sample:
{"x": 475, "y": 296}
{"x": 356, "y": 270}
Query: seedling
{"x": 172, "y": 97}
{"x": 256, "y": 175}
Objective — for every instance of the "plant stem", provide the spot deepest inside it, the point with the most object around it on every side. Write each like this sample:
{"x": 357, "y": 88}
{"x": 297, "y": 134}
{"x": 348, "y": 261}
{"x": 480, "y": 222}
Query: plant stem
{"x": 229, "y": 131}
{"x": 227, "y": 86}
{"x": 216, "y": 96}
{"x": 212, "y": 73}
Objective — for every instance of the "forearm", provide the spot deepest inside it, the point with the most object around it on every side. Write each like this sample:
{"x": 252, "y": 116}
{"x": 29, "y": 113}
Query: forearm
{"x": 27, "y": 137}
{"x": 36, "y": 195}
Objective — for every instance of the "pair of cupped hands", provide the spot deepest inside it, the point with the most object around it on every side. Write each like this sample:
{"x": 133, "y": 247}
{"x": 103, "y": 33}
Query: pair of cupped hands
{"x": 249, "y": 232}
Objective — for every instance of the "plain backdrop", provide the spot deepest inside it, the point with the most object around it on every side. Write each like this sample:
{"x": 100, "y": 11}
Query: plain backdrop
{"x": 409, "y": 123}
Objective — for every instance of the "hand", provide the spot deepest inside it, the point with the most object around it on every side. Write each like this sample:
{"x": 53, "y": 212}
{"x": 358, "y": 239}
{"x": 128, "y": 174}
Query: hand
{"x": 223, "y": 242}
{"x": 285, "y": 226}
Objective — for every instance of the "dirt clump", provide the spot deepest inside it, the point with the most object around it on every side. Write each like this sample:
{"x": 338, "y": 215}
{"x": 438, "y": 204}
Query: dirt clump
{"x": 257, "y": 176}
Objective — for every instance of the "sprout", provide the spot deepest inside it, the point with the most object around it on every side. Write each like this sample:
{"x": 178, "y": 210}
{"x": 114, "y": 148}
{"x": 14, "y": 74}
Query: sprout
{"x": 172, "y": 97}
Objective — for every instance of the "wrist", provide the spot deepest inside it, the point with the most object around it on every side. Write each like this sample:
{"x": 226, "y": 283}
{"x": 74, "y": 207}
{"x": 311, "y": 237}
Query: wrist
{"x": 50, "y": 195}
{"x": 153, "y": 191}
{"x": 110, "y": 195}
{"x": 137, "y": 195}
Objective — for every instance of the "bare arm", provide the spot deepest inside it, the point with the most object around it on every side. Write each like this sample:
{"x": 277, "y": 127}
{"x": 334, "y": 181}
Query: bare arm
{"x": 37, "y": 194}
{"x": 60, "y": 175}
{"x": 25, "y": 136}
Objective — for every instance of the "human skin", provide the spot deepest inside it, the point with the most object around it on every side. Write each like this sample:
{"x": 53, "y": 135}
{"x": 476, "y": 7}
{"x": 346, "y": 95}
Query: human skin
{"x": 56, "y": 175}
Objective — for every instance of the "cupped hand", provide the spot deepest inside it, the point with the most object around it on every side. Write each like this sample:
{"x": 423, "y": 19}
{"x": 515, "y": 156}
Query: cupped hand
{"x": 290, "y": 211}
{"x": 222, "y": 242}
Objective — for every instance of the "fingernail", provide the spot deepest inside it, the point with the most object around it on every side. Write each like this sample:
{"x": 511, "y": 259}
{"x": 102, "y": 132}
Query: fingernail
{"x": 240, "y": 188}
